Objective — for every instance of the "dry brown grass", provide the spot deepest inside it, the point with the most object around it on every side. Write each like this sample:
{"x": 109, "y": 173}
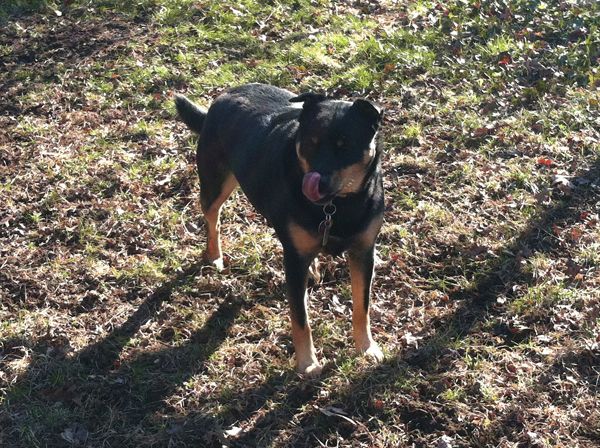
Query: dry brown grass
{"x": 488, "y": 287}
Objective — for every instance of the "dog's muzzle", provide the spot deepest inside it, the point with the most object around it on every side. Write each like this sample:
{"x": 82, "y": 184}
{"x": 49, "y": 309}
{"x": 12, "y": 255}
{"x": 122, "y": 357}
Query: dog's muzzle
{"x": 311, "y": 186}
{"x": 317, "y": 187}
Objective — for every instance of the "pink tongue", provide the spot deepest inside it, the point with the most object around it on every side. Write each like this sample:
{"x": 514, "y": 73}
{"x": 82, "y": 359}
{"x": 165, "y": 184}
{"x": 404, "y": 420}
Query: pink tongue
{"x": 310, "y": 186}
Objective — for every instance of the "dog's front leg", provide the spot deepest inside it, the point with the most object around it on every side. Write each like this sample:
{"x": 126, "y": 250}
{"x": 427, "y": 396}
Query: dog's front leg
{"x": 361, "y": 261}
{"x": 296, "y": 273}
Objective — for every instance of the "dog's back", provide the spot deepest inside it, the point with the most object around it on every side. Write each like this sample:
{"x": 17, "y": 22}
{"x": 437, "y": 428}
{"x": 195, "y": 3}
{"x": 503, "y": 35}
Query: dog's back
{"x": 251, "y": 128}
{"x": 245, "y": 113}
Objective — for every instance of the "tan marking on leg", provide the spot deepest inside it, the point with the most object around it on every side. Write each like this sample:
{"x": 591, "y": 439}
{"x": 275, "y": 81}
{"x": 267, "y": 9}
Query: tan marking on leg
{"x": 361, "y": 325}
{"x": 360, "y": 318}
{"x": 212, "y": 217}
{"x": 306, "y": 357}
{"x": 306, "y": 243}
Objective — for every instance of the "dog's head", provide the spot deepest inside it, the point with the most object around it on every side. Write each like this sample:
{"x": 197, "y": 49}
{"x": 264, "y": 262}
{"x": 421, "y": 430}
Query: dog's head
{"x": 336, "y": 145}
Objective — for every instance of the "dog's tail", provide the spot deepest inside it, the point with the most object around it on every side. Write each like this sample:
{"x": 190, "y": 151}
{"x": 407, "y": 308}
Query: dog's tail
{"x": 191, "y": 114}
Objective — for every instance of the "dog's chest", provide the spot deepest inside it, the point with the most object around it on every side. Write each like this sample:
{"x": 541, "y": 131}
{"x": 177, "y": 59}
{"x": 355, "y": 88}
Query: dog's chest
{"x": 311, "y": 241}
{"x": 335, "y": 246}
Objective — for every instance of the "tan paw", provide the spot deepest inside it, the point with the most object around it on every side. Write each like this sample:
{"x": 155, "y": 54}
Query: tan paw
{"x": 217, "y": 262}
{"x": 312, "y": 370}
{"x": 373, "y": 352}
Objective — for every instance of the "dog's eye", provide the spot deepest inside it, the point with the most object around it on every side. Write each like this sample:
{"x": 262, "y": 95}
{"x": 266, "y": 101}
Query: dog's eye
{"x": 340, "y": 143}
{"x": 315, "y": 140}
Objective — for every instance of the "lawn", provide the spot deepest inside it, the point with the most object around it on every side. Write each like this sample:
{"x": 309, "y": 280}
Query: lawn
{"x": 113, "y": 333}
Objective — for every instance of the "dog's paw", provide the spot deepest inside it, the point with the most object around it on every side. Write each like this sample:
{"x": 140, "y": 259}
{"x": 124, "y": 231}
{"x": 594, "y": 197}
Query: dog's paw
{"x": 217, "y": 263}
{"x": 373, "y": 352}
{"x": 310, "y": 370}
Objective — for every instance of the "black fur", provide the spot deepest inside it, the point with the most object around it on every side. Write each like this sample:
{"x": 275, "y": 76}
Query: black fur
{"x": 191, "y": 114}
{"x": 253, "y": 131}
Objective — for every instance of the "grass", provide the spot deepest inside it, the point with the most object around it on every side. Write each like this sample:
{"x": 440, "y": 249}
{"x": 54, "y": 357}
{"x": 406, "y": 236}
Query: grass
{"x": 487, "y": 292}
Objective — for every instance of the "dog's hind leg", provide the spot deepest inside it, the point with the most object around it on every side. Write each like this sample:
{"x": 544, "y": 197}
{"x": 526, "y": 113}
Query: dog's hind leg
{"x": 216, "y": 184}
{"x": 216, "y": 180}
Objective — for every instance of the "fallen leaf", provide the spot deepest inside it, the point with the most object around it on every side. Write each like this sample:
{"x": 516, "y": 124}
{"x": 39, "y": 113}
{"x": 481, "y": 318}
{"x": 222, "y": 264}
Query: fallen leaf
{"x": 480, "y": 132}
{"x": 545, "y": 161}
{"x": 504, "y": 58}
{"x": 332, "y": 411}
{"x": 444, "y": 442}
{"x": 389, "y": 67}
{"x": 576, "y": 234}
{"x": 337, "y": 306}
{"x": 563, "y": 184}
{"x": 409, "y": 339}
{"x": 233, "y": 431}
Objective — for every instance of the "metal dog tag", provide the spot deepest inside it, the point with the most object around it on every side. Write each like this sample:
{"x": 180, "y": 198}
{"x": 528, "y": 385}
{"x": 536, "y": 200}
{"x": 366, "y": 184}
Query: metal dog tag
{"x": 325, "y": 226}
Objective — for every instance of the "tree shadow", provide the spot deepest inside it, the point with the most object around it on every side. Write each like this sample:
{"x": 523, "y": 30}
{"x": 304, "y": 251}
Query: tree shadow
{"x": 65, "y": 44}
{"x": 421, "y": 417}
{"x": 137, "y": 388}
{"x": 134, "y": 388}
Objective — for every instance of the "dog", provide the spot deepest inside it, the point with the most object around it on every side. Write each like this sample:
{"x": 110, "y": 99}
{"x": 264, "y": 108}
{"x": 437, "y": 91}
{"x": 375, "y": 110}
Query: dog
{"x": 311, "y": 166}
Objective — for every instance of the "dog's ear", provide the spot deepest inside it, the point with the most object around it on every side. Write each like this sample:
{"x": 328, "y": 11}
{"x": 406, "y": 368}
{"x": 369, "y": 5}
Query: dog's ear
{"x": 371, "y": 111}
{"x": 308, "y": 98}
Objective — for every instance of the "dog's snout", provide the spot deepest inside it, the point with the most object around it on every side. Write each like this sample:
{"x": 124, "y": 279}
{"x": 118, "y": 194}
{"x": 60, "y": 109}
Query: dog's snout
{"x": 325, "y": 185}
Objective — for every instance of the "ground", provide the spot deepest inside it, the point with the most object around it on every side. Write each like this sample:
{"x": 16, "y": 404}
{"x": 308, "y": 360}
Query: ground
{"x": 113, "y": 333}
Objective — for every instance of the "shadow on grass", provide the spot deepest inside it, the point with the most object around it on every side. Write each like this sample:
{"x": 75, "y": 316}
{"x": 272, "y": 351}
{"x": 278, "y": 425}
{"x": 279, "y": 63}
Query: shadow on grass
{"x": 102, "y": 355}
{"x": 19, "y": 9}
{"x": 131, "y": 390}
{"x": 504, "y": 273}
{"x": 130, "y": 395}
{"x": 65, "y": 44}
{"x": 363, "y": 390}
{"x": 585, "y": 362}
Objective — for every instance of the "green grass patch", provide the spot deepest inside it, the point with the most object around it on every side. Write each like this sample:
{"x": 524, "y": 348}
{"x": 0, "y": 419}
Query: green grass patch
{"x": 485, "y": 292}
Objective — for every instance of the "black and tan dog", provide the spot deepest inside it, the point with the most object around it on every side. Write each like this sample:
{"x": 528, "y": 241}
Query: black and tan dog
{"x": 310, "y": 165}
